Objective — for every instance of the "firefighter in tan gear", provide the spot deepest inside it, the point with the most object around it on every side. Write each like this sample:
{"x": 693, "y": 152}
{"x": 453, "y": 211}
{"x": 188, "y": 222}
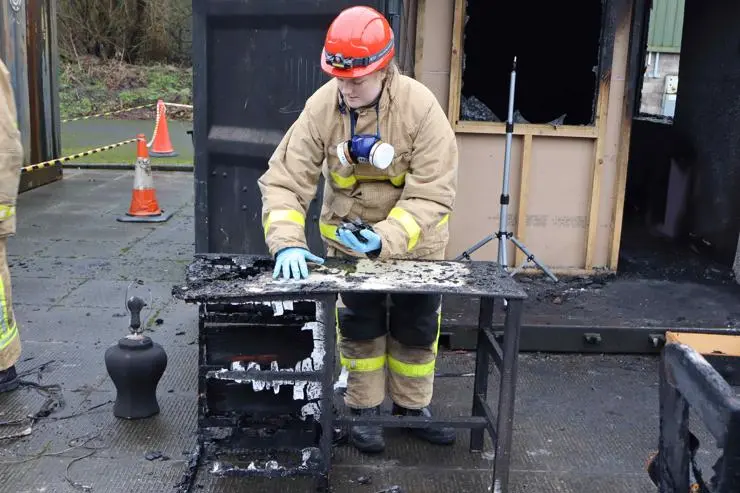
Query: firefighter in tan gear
{"x": 11, "y": 159}
{"x": 389, "y": 158}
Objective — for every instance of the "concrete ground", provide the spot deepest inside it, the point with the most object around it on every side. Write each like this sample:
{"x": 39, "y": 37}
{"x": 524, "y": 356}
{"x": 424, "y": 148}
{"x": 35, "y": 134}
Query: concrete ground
{"x": 582, "y": 424}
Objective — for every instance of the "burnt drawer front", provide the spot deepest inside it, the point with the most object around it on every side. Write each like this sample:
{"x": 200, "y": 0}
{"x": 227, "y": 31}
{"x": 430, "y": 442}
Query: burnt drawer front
{"x": 261, "y": 344}
{"x": 259, "y": 400}
{"x": 273, "y": 434}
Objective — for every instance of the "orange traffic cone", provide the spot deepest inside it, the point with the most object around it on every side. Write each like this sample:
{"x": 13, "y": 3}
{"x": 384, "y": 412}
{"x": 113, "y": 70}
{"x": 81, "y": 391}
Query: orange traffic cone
{"x": 144, "y": 207}
{"x": 161, "y": 144}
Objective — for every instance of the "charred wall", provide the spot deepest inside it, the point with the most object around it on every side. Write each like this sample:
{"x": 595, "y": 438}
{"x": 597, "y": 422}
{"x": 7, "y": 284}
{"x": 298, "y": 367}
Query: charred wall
{"x": 708, "y": 118}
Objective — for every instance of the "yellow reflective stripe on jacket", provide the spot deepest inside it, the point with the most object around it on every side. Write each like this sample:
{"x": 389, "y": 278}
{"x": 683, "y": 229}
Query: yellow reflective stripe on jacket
{"x": 399, "y": 180}
{"x": 444, "y": 220}
{"x": 290, "y": 215}
{"x": 363, "y": 364}
{"x": 8, "y": 331}
{"x": 350, "y": 181}
{"x": 328, "y": 231}
{"x": 343, "y": 181}
{"x": 6, "y": 212}
{"x": 409, "y": 224}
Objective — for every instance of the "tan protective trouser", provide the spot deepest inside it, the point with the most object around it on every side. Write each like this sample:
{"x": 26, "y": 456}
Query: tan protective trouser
{"x": 375, "y": 357}
{"x": 10, "y": 342}
{"x": 408, "y": 372}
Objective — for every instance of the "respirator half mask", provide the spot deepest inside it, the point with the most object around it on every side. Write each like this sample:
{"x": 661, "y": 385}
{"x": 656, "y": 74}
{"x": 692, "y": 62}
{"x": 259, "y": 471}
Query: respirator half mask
{"x": 365, "y": 148}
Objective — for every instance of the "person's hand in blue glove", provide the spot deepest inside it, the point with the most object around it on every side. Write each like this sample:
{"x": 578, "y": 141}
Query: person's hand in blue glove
{"x": 292, "y": 260}
{"x": 348, "y": 239}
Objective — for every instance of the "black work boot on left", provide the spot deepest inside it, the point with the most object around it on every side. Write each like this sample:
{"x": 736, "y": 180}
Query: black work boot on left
{"x": 8, "y": 380}
{"x": 367, "y": 438}
{"x": 435, "y": 435}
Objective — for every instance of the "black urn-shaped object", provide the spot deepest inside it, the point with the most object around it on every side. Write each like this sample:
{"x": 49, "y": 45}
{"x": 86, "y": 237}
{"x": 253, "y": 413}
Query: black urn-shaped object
{"x": 135, "y": 365}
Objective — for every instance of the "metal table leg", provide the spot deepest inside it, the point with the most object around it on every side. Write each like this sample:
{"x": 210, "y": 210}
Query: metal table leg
{"x": 480, "y": 387}
{"x": 327, "y": 319}
{"x": 507, "y": 391}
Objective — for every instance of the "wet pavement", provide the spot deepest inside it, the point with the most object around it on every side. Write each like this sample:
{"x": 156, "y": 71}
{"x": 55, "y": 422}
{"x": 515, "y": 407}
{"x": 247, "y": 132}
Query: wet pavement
{"x": 582, "y": 423}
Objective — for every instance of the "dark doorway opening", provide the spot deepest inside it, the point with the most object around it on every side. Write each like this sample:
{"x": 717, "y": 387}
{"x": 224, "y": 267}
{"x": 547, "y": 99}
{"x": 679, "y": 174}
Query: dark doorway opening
{"x": 557, "y": 50}
{"x": 658, "y": 241}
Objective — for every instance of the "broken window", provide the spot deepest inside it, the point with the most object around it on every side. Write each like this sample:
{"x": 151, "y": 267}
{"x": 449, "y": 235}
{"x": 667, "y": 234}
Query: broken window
{"x": 557, "y": 50}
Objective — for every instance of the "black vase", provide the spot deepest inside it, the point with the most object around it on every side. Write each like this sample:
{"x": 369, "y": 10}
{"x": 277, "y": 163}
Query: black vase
{"x": 136, "y": 365}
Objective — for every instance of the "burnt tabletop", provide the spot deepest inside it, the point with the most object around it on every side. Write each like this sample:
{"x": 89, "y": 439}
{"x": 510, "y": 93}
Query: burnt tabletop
{"x": 226, "y": 278}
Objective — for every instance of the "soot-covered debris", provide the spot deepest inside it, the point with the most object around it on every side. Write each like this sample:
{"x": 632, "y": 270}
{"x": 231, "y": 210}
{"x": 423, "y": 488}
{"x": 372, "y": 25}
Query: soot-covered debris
{"x": 473, "y": 109}
{"x": 221, "y": 278}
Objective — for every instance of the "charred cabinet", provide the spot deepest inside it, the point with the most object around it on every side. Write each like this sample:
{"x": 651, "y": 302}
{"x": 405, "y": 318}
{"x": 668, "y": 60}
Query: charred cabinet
{"x": 261, "y": 400}
{"x": 255, "y": 64}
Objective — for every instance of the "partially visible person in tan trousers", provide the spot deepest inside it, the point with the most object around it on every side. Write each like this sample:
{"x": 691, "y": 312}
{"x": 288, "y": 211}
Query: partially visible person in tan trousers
{"x": 11, "y": 159}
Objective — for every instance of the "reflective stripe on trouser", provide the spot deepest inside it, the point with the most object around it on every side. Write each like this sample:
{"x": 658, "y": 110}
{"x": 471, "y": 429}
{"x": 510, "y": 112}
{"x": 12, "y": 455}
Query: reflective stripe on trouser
{"x": 362, "y": 348}
{"x": 411, "y": 372}
{"x": 10, "y": 343}
{"x": 411, "y": 345}
{"x": 365, "y": 363}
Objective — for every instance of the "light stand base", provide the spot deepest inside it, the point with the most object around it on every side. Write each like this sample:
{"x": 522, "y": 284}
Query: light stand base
{"x": 502, "y": 237}
{"x": 502, "y": 234}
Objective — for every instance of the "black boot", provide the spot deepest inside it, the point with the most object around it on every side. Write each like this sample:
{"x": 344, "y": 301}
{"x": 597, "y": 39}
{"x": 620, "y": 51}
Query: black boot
{"x": 8, "y": 380}
{"x": 367, "y": 438}
{"x": 436, "y": 435}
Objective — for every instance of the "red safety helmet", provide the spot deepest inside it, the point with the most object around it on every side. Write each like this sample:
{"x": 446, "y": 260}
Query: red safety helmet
{"x": 359, "y": 41}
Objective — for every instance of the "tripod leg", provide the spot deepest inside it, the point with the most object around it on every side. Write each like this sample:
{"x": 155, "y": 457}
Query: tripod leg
{"x": 466, "y": 253}
{"x": 502, "y": 257}
{"x": 532, "y": 258}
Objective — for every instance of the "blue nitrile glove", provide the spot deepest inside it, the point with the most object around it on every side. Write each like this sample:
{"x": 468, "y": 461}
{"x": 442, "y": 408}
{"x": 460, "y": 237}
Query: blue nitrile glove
{"x": 292, "y": 260}
{"x": 348, "y": 239}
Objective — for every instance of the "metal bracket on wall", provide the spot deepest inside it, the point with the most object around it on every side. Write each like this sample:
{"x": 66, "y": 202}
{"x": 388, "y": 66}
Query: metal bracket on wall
{"x": 657, "y": 340}
{"x": 592, "y": 338}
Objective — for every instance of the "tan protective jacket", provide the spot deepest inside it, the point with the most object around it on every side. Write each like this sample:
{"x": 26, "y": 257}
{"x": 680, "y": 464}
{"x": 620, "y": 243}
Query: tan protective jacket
{"x": 11, "y": 155}
{"x": 408, "y": 203}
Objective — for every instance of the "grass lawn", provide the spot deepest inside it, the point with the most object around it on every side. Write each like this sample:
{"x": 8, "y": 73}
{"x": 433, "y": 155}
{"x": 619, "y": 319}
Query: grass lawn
{"x": 84, "y": 135}
{"x": 90, "y": 86}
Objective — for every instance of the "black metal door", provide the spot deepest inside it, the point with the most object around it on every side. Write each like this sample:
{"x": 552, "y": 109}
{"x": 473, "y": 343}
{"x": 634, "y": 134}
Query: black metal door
{"x": 255, "y": 64}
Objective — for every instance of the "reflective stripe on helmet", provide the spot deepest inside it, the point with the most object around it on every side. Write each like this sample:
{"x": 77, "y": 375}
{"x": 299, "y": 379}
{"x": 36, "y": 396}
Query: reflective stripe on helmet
{"x": 339, "y": 61}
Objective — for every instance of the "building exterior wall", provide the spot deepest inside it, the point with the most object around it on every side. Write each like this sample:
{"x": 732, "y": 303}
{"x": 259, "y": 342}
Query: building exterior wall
{"x": 658, "y": 96}
{"x": 560, "y": 181}
{"x": 666, "y": 25}
{"x": 655, "y": 98}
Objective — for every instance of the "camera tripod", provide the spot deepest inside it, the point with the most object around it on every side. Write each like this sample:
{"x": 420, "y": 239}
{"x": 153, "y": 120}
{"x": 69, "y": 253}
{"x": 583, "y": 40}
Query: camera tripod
{"x": 503, "y": 234}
